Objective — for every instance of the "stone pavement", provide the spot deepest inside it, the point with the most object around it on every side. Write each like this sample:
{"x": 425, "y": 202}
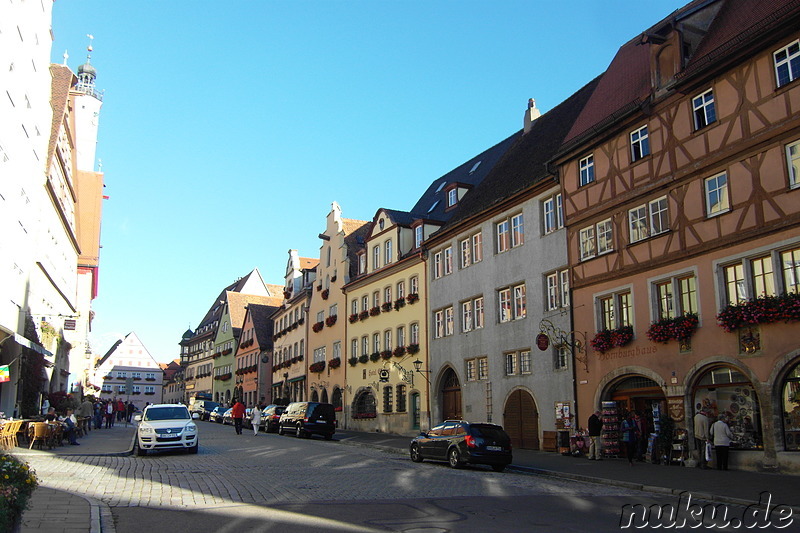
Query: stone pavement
{"x": 53, "y": 511}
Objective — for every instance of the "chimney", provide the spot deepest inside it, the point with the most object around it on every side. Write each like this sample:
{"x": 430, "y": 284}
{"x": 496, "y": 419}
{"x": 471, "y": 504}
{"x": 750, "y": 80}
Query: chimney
{"x": 531, "y": 114}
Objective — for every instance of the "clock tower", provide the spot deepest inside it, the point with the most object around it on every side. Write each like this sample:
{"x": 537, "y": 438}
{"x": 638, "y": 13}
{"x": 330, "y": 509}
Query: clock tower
{"x": 88, "y": 102}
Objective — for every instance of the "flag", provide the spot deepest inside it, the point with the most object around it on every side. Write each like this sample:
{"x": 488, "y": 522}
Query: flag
{"x": 5, "y": 375}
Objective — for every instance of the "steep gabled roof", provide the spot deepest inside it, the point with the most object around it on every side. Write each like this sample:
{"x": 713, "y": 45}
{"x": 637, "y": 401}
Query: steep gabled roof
{"x": 308, "y": 263}
{"x": 356, "y": 233}
{"x": 237, "y": 306}
{"x": 62, "y": 80}
{"x": 526, "y": 162}
{"x": 262, "y": 323}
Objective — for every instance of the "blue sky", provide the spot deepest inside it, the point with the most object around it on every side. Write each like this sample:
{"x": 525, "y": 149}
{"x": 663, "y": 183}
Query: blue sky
{"x": 228, "y": 128}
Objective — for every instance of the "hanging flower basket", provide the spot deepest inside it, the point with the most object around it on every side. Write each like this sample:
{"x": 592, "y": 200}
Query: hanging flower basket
{"x": 386, "y": 307}
{"x": 762, "y": 310}
{"x": 413, "y": 297}
{"x": 334, "y": 363}
{"x": 353, "y": 318}
{"x": 331, "y": 320}
{"x": 317, "y": 367}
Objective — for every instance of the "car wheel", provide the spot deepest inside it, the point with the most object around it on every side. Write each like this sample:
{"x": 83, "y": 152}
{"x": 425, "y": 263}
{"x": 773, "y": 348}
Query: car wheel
{"x": 194, "y": 448}
{"x": 415, "y": 455}
{"x": 454, "y": 458}
{"x": 280, "y": 430}
{"x": 140, "y": 452}
{"x": 299, "y": 432}
{"x": 498, "y": 468}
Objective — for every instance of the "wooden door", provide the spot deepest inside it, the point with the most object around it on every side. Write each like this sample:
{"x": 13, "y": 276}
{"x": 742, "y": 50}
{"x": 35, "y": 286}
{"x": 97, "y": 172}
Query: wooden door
{"x": 451, "y": 397}
{"x": 521, "y": 420}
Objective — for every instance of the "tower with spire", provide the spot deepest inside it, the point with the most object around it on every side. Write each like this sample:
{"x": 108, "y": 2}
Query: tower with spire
{"x": 88, "y": 102}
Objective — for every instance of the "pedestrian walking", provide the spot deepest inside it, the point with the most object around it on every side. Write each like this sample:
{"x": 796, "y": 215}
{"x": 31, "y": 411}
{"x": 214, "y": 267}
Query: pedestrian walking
{"x": 255, "y": 418}
{"x": 131, "y": 409}
{"x": 595, "y": 429}
{"x": 98, "y": 414}
{"x": 120, "y": 410}
{"x": 701, "y": 436}
{"x": 630, "y": 436}
{"x": 722, "y": 436}
{"x": 109, "y": 415}
{"x": 237, "y": 413}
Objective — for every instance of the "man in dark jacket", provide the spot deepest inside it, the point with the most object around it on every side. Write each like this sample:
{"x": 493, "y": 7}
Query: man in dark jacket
{"x": 595, "y": 428}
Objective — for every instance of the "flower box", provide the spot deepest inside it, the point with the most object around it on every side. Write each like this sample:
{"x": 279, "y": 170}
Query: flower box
{"x": 317, "y": 327}
{"x": 353, "y": 361}
{"x": 413, "y": 297}
{"x": 375, "y": 311}
{"x": 149, "y": 393}
{"x": 358, "y": 416}
{"x": 400, "y": 351}
{"x": 325, "y": 294}
{"x": 149, "y": 379}
{"x": 412, "y": 348}
{"x": 386, "y": 354}
{"x": 363, "y": 358}
{"x": 317, "y": 367}
{"x": 363, "y": 315}
{"x": 137, "y": 379}
{"x": 680, "y": 328}
{"x": 762, "y": 310}
{"x": 135, "y": 393}
{"x": 331, "y": 320}
{"x": 606, "y": 339}
{"x": 225, "y": 377}
{"x": 400, "y": 302}
{"x": 122, "y": 377}
{"x": 374, "y": 356}
{"x": 353, "y": 318}
{"x": 386, "y": 307}
{"x": 228, "y": 351}
{"x": 336, "y": 362}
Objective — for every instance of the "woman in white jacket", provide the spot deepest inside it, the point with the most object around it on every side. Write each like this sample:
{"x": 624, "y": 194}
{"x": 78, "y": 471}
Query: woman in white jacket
{"x": 255, "y": 417}
{"x": 722, "y": 436}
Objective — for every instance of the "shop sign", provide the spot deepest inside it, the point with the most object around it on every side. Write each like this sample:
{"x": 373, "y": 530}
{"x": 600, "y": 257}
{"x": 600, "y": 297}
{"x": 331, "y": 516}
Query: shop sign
{"x": 542, "y": 341}
{"x": 676, "y": 409}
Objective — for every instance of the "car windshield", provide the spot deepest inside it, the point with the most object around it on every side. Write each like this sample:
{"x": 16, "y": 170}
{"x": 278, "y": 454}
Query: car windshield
{"x": 166, "y": 413}
{"x": 490, "y": 432}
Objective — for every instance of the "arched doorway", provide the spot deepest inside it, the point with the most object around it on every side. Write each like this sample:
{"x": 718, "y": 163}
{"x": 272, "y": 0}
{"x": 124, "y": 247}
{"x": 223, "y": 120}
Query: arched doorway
{"x": 637, "y": 393}
{"x": 451, "y": 396}
{"x": 521, "y": 420}
{"x": 790, "y": 407}
{"x": 724, "y": 390}
{"x": 314, "y": 395}
{"x": 324, "y": 398}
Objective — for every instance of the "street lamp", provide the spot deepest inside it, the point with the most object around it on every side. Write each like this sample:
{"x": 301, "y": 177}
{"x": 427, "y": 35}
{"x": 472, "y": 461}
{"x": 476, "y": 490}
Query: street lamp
{"x": 418, "y": 368}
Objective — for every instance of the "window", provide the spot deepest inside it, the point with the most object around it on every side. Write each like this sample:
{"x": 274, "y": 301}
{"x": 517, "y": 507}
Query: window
{"x": 520, "y": 302}
{"x": 763, "y": 280}
{"x": 448, "y": 260}
{"x": 560, "y": 357}
{"x": 387, "y": 398}
{"x": 387, "y": 295}
{"x": 438, "y": 324}
{"x": 525, "y": 362}
{"x": 483, "y": 368}
{"x": 319, "y": 354}
{"x": 376, "y": 257}
{"x": 320, "y": 316}
{"x": 717, "y": 195}
{"x": 502, "y": 236}
{"x": 376, "y": 342}
{"x": 437, "y": 265}
{"x": 467, "y": 316}
{"x": 387, "y": 256}
{"x": 478, "y": 309}
{"x": 504, "y": 300}
{"x": 793, "y": 161}
{"x": 354, "y": 307}
{"x": 465, "y": 247}
{"x": 553, "y": 214}
{"x": 452, "y": 197}
{"x": 659, "y": 218}
{"x": 364, "y": 345}
{"x": 365, "y": 303}
{"x": 471, "y": 374}
{"x": 414, "y": 333}
{"x": 354, "y": 348}
{"x": 648, "y": 219}
{"x": 448, "y": 321}
{"x": 519, "y": 308}
{"x": 586, "y": 168}
{"x": 511, "y": 363}
{"x": 790, "y": 267}
{"x": 615, "y": 310}
{"x": 401, "y": 336}
{"x": 787, "y": 63}
{"x": 703, "y": 108}
{"x": 517, "y": 231}
{"x": 418, "y": 236}
{"x": 477, "y": 248}
{"x": 387, "y": 339}
{"x": 604, "y": 236}
{"x": 401, "y": 289}
{"x": 640, "y": 144}
{"x": 376, "y": 299}
{"x": 587, "y": 243}
{"x": 414, "y": 282}
{"x": 138, "y": 375}
{"x": 401, "y": 398}
{"x": 557, "y": 287}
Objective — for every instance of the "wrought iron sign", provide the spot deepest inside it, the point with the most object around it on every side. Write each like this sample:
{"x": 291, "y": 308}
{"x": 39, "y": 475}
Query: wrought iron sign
{"x": 573, "y": 341}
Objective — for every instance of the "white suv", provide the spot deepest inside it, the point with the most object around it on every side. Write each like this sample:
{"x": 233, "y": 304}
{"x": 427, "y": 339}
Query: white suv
{"x": 164, "y": 427}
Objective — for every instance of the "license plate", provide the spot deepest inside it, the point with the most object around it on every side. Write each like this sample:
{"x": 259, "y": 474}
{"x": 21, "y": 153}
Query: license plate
{"x": 494, "y": 448}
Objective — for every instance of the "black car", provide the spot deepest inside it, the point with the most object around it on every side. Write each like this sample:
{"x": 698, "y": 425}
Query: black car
{"x": 308, "y": 418}
{"x": 270, "y": 417}
{"x": 203, "y": 408}
{"x": 459, "y": 443}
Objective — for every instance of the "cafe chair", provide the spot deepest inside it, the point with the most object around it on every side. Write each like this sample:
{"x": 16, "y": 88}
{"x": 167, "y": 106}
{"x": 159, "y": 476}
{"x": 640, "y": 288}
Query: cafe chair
{"x": 40, "y": 434}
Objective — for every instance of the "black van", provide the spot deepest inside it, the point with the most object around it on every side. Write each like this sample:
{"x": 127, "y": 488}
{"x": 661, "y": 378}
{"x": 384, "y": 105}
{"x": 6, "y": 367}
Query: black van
{"x": 308, "y": 418}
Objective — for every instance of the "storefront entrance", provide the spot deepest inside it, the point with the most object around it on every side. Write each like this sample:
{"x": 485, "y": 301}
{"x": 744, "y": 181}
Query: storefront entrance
{"x": 451, "y": 396}
{"x": 639, "y": 394}
{"x": 521, "y": 420}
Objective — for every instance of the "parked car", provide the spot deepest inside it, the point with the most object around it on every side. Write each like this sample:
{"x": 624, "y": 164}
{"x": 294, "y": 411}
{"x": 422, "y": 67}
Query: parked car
{"x": 459, "y": 443}
{"x": 227, "y": 416}
{"x": 308, "y": 418}
{"x": 165, "y": 427}
{"x": 203, "y": 408}
{"x": 216, "y": 414}
{"x": 248, "y": 421}
{"x": 271, "y": 416}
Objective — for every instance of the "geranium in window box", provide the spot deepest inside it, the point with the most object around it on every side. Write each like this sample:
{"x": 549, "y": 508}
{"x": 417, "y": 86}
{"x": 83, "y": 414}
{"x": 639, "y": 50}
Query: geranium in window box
{"x": 400, "y": 351}
{"x": 135, "y": 392}
{"x": 353, "y": 361}
{"x": 319, "y": 287}
{"x": 317, "y": 327}
{"x": 622, "y": 335}
{"x": 325, "y": 294}
{"x": 680, "y": 328}
{"x": 374, "y": 356}
{"x": 353, "y": 318}
{"x": 762, "y": 310}
{"x": 386, "y": 354}
{"x": 137, "y": 379}
{"x": 331, "y": 320}
{"x": 108, "y": 377}
{"x": 301, "y": 320}
{"x": 375, "y": 311}
{"x": 287, "y": 294}
{"x": 149, "y": 379}
{"x": 149, "y": 393}
{"x": 363, "y": 358}
{"x": 317, "y": 367}
{"x": 334, "y": 363}
{"x": 225, "y": 377}
{"x": 363, "y": 315}
{"x": 386, "y": 307}
{"x": 602, "y": 341}
{"x": 412, "y": 348}
{"x": 122, "y": 377}
{"x": 413, "y": 297}
{"x": 400, "y": 302}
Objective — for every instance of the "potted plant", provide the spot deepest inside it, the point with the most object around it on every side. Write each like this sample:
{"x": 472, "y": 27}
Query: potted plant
{"x": 363, "y": 358}
{"x": 374, "y": 356}
{"x": 363, "y": 315}
{"x": 353, "y": 361}
{"x": 400, "y": 351}
{"x": 317, "y": 367}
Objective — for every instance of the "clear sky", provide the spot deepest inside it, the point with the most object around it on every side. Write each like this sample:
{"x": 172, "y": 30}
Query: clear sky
{"x": 228, "y": 128}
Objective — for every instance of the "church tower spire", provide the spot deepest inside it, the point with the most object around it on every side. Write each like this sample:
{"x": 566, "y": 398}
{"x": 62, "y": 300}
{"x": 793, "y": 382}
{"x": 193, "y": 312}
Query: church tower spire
{"x": 87, "y": 74}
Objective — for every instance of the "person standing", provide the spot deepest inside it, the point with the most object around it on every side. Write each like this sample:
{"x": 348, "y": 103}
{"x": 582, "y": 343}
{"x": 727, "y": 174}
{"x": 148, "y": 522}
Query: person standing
{"x": 701, "y": 435}
{"x": 237, "y": 413}
{"x": 630, "y": 436}
{"x": 131, "y": 410}
{"x": 595, "y": 429}
{"x": 722, "y": 436}
{"x": 110, "y": 414}
{"x": 98, "y": 414}
{"x": 255, "y": 418}
{"x": 120, "y": 411}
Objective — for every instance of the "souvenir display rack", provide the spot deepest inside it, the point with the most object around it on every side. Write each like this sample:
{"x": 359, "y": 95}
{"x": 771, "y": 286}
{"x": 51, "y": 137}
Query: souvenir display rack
{"x": 610, "y": 434}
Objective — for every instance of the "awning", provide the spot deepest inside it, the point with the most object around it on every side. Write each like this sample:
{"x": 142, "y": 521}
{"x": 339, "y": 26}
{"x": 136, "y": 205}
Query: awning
{"x": 22, "y": 341}
{"x": 300, "y": 378}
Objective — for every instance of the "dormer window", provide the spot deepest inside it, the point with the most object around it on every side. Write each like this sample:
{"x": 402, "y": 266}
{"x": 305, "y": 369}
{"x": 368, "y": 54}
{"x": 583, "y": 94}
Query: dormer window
{"x": 452, "y": 197}
{"x": 380, "y": 224}
{"x": 418, "y": 236}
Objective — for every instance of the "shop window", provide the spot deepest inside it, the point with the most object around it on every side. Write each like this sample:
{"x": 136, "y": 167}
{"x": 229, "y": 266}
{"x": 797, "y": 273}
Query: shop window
{"x": 364, "y": 405}
{"x": 791, "y": 410}
{"x": 726, "y": 391}
{"x": 387, "y": 399}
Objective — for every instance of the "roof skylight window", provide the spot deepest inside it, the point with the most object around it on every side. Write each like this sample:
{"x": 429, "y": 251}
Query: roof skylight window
{"x": 433, "y": 206}
{"x": 441, "y": 186}
{"x": 475, "y": 167}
